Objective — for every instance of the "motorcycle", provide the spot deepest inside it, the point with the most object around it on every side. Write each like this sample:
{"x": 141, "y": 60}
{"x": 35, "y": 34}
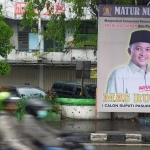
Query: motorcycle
{"x": 73, "y": 142}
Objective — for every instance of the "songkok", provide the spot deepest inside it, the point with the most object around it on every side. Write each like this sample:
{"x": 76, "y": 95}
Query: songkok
{"x": 140, "y": 36}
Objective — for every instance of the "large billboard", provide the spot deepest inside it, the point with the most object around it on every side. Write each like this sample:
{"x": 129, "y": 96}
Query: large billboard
{"x": 123, "y": 58}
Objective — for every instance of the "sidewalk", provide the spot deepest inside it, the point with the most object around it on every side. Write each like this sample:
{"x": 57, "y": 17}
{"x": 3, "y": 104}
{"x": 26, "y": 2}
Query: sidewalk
{"x": 107, "y": 130}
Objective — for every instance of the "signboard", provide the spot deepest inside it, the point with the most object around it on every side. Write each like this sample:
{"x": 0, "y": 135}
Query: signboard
{"x": 123, "y": 57}
{"x": 93, "y": 73}
{"x": 58, "y": 8}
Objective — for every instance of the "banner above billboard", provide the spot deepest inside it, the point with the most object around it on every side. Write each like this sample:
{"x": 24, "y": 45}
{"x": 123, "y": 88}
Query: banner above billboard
{"x": 123, "y": 58}
{"x": 58, "y": 8}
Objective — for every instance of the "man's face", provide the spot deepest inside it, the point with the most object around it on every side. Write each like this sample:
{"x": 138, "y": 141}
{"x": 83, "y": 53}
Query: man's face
{"x": 140, "y": 54}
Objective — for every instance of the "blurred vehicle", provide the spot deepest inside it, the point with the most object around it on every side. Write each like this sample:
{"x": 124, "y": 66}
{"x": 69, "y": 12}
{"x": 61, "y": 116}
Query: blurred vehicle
{"x": 25, "y": 91}
{"x": 66, "y": 89}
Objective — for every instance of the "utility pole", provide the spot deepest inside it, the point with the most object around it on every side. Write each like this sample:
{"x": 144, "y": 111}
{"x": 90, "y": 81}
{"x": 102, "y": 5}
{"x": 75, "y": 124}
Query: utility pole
{"x": 82, "y": 78}
{"x": 40, "y": 50}
{"x": 39, "y": 32}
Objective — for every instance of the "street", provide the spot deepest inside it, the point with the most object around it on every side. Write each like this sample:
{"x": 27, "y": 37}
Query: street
{"x": 117, "y": 146}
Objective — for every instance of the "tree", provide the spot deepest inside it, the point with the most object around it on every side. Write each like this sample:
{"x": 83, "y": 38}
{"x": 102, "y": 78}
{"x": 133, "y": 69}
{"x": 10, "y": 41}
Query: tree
{"x": 5, "y": 46}
{"x": 58, "y": 24}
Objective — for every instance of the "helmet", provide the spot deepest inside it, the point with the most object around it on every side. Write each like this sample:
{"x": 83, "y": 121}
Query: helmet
{"x": 5, "y": 98}
{"x": 4, "y": 95}
{"x": 35, "y": 104}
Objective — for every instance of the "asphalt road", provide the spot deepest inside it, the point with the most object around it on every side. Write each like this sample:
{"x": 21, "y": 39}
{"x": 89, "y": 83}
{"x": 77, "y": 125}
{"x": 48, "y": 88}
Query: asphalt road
{"x": 123, "y": 147}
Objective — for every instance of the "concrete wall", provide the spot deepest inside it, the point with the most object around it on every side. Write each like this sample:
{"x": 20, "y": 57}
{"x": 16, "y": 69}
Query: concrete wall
{"x": 69, "y": 56}
{"x": 88, "y": 112}
{"x": 31, "y": 74}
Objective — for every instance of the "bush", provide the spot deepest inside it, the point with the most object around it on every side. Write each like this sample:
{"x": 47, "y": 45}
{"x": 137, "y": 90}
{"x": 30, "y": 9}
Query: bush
{"x": 50, "y": 98}
{"x": 20, "y": 111}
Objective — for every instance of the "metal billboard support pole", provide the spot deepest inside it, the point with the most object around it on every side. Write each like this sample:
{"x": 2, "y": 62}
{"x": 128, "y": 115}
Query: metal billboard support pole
{"x": 82, "y": 78}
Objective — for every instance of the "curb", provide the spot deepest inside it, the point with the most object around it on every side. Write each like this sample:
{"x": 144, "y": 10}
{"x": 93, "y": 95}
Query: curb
{"x": 116, "y": 136}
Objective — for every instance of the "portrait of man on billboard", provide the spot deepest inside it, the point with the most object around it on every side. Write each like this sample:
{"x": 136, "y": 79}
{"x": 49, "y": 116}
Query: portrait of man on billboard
{"x": 135, "y": 77}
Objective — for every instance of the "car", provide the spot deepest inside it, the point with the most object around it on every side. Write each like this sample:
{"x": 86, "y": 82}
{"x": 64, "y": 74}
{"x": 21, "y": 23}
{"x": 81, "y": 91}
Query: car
{"x": 25, "y": 91}
{"x": 67, "y": 89}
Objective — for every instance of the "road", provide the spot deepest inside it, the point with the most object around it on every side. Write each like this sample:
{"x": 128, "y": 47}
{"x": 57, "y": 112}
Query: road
{"x": 122, "y": 147}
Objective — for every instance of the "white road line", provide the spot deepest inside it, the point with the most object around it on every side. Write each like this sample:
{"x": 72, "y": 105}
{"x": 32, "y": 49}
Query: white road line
{"x": 120, "y": 144}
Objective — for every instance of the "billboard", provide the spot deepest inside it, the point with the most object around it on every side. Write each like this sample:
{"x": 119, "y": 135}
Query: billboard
{"x": 123, "y": 59}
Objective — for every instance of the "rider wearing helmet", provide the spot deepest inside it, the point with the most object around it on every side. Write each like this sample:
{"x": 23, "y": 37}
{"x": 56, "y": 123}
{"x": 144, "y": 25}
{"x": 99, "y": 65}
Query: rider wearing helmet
{"x": 35, "y": 128}
{"x": 10, "y": 133}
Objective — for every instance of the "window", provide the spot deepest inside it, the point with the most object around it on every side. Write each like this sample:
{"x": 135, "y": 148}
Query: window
{"x": 67, "y": 91}
{"x": 57, "y": 88}
{"x": 26, "y": 39}
{"x": 51, "y": 45}
{"x": 87, "y": 34}
{"x": 78, "y": 92}
{"x": 23, "y": 41}
{"x": 88, "y": 28}
{"x": 13, "y": 92}
{"x": 31, "y": 92}
{"x": 91, "y": 90}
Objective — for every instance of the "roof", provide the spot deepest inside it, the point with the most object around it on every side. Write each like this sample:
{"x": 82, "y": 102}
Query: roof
{"x": 24, "y": 85}
{"x": 73, "y": 82}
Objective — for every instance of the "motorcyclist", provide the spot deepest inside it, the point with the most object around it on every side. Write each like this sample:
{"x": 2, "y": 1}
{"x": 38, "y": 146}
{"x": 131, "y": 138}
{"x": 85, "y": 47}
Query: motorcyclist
{"x": 10, "y": 129}
{"x": 21, "y": 136}
{"x": 36, "y": 129}
{"x": 47, "y": 138}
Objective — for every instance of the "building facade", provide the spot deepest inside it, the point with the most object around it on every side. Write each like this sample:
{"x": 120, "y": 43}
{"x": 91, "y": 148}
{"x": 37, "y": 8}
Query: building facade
{"x": 28, "y": 66}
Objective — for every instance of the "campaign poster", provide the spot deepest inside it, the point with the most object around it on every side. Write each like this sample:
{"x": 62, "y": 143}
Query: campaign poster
{"x": 123, "y": 59}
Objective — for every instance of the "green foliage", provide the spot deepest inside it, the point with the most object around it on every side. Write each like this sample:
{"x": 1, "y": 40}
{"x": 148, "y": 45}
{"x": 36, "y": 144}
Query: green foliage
{"x": 56, "y": 28}
{"x": 5, "y": 34}
{"x": 20, "y": 111}
{"x": 5, "y": 46}
{"x": 123, "y": 2}
{"x": 5, "y": 68}
{"x": 36, "y": 54}
{"x": 38, "y": 4}
{"x": 51, "y": 97}
{"x": 1, "y": 13}
{"x": 29, "y": 17}
{"x": 58, "y": 24}
{"x": 90, "y": 41}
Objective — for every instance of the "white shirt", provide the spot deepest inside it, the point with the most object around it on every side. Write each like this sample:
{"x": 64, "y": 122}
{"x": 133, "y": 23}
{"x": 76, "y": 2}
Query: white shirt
{"x": 129, "y": 79}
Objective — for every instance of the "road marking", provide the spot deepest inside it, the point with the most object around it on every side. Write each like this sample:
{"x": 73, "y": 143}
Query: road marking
{"x": 120, "y": 144}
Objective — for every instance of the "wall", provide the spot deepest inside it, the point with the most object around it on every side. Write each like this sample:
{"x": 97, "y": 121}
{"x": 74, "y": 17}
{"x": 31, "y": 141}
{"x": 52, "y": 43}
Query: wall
{"x": 60, "y": 74}
{"x": 88, "y": 112}
{"x": 21, "y": 75}
{"x": 68, "y": 56}
{"x": 30, "y": 74}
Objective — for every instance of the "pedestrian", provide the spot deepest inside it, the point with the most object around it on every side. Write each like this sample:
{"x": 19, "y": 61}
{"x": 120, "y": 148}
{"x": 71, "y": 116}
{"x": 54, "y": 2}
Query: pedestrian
{"x": 135, "y": 77}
